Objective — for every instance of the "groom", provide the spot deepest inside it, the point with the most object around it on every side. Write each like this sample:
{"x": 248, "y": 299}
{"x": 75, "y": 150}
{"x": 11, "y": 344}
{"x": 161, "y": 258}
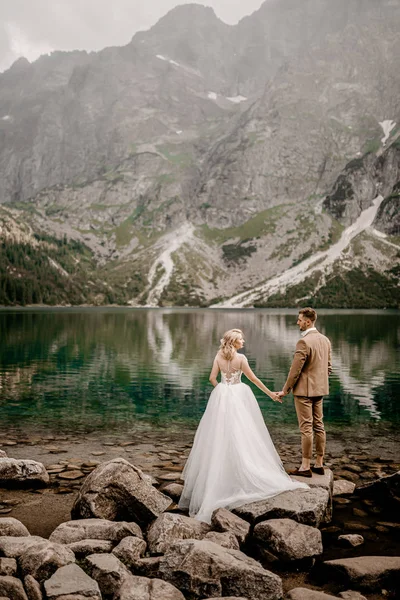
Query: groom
{"x": 308, "y": 379}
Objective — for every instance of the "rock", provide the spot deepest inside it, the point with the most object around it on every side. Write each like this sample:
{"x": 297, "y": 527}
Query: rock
{"x": 71, "y": 475}
{"x": 13, "y": 547}
{"x": 142, "y": 588}
{"x": 3, "y": 454}
{"x": 130, "y": 550}
{"x": 351, "y": 539}
{"x": 107, "y": 570}
{"x": 8, "y": 567}
{"x": 385, "y": 491}
{"x": 202, "y": 568}
{"x": 224, "y": 520}
{"x": 44, "y": 558}
{"x": 304, "y": 506}
{"x": 365, "y": 572}
{"x": 358, "y": 512}
{"x": 22, "y": 473}
{"x": 225, "y": 539}
{"x": 227, "y": 598}
{"x": 12, "y": 527}
{"x": 117, "y": 490}
{"x": 85, "y": 547}
{"x": 72, "y": 581}
{"x": 350, "y": 595}
{"x": 147, "y": 567}
{"x": 32, "y": 588}
{"x": 169, "y": 528}
{"x": 94, "y": 529}
{"x": 173, "y": 490}
{"x": 342, "y": 487}
{"x": 287, "y": 540}
{"x": 355, "y": 526}
{"x": 12, "y": 588}
{"x": 307, "y": 594}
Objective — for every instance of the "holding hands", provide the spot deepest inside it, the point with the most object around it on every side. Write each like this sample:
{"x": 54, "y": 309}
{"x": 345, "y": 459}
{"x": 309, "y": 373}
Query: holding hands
{"x": 277, "y": 397}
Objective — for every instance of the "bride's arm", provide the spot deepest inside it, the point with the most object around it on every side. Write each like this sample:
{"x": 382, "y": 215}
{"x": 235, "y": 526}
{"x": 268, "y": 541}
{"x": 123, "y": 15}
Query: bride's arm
{"x": 214, "y": 372}
{"x": 250, "y": 375}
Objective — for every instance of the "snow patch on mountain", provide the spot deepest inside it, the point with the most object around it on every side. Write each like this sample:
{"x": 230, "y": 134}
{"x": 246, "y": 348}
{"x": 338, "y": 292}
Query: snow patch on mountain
{"x": 237, "y": 99}
{"x": 387, "y": 127}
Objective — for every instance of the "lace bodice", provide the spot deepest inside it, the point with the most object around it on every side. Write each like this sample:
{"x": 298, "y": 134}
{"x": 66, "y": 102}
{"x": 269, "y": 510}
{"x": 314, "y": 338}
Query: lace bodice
{"x": 231, "y": 377}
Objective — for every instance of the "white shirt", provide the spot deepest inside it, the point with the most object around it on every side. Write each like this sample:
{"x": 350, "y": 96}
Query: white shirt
{"x": 304, "y": 333}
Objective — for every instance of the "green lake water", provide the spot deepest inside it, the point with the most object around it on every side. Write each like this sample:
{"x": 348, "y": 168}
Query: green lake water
{"x": 111, "y": 369}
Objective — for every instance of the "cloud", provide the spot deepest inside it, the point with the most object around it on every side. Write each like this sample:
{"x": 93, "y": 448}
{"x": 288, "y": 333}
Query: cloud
{"x": 33, "y": 27}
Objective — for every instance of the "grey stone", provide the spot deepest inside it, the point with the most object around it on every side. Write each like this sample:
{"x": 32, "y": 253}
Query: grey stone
{"x": 351, "y": 595}
{"x": 12, "y": 527}
{"x": 13, "y": 547}
{"x": 142, "y": 588}
{"x": 365, "y": 572}
{"x": 94, "y": 529}
{"x": 202, "y": 569}
{"x": 224, "y": 520}
{"x": 22, "y": 473}
{"x": 32, "y": 588}
{"x": 12, "y": 588}
{"x": 130, "y": 550}
{"x": 72, "y": 581}
{"x": 288, "y": 540}
{"x": 342, "y": 487}
{"x": 44, "y": 558}
{"x": 304, "y": 506}
{"x": 117, "y": 490}
{"x": 307, "y": 594}
{"x": 107, "y": 570}
{"x": 8, "y": 566}
{"x": 85, "y": 547}
{"x": 351, "y": 539}
{"x": 226, "y": 539}
{"x": 169, "y": 528}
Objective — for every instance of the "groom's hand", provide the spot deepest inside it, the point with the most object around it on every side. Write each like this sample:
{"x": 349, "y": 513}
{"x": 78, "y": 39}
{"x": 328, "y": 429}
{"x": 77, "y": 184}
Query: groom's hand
{"x": 277, "y": 397}
{"x": 281, "y": 394}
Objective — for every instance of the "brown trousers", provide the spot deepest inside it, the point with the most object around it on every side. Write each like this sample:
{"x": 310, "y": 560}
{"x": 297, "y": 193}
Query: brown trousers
{"x": 310, "y": 416}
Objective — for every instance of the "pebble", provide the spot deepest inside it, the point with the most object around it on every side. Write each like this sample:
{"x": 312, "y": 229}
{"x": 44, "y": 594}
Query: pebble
{"x": 71, "y": 475}
{"x": 359, "y": 513}
{"x": 99, "y": 453}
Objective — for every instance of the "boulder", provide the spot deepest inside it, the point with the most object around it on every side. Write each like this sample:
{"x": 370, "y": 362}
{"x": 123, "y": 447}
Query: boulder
{"x": 201, "y": 568}
{"x": 11, "y": 587}
{"x": 325, "y": 482}
{"x": 32, "y": 588}
{"x": 94, "y": 529}
{"x": 169, "y": 528}
{"x": 130, "y": 550}
{"x": 173, "y": 490}
{"x": 350, "y": 595}
{"x": 12, "y": 527}
{"x": 13, "y": 547}
{"x": 342, "y": 487}
{"x": 225, "y": 539}
{"x": 307, "y": 594}
{"x": 44, "y": 558}
{"x": 146, "y": 567}
{"x": 365, "y": 572}
{"x": 22, "y": 473}
{"x": 351, "y": 539}
{"x": 107, "y": 570}
{"x": 86, "y": 547}
{"x": 304, "y": 506}
{"x": 8, "y": 567}
{"x": 117, "y": 490}
{"x": 224, "y": 520}
{"x": 71, "y": 581}
{"x": 288, "y": 540}
{"x": 142, "y": 588}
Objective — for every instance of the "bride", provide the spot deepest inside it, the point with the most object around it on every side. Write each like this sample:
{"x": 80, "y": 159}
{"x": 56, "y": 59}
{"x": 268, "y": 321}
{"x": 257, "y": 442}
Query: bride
{"x": 233, "y": 460}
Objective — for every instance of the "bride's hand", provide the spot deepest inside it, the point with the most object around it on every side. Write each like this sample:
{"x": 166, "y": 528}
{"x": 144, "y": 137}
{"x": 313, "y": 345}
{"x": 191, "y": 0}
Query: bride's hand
{"x": 276, "y": 397}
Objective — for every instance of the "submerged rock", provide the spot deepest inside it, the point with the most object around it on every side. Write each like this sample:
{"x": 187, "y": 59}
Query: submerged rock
{"x": 365, "y": 572}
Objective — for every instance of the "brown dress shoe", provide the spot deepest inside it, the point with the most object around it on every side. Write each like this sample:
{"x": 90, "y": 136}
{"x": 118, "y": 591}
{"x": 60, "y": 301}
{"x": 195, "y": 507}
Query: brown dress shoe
{"x": 296, "y": 472}
{"x": 318, "y": 470}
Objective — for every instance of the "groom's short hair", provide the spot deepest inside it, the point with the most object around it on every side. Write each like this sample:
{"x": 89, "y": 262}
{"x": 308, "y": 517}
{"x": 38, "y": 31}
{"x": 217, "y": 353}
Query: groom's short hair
{"x": 309, "y": 313}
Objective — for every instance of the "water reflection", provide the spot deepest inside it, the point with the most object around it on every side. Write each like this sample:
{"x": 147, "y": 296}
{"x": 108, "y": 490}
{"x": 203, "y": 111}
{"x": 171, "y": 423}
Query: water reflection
{"x": 110, "y": 368}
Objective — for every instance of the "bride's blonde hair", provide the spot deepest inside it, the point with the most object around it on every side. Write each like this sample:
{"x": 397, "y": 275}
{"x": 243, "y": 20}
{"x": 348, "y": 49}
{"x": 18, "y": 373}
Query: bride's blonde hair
{"x": 227, "y": 346}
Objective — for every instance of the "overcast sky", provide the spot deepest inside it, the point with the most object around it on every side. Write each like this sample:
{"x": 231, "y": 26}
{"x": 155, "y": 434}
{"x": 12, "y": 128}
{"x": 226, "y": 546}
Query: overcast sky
{"x": 33, "y": 27}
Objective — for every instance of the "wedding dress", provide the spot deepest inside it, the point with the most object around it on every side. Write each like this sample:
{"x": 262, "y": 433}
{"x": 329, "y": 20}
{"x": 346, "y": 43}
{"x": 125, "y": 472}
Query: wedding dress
{"x": 233, "y": 460}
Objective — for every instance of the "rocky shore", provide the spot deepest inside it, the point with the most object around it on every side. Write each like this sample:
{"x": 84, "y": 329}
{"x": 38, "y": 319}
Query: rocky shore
{"x": 91, "y": 517}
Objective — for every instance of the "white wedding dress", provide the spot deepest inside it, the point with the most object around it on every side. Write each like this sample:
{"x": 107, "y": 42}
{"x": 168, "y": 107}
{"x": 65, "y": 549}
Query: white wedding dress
{"x": 233, "y": 460}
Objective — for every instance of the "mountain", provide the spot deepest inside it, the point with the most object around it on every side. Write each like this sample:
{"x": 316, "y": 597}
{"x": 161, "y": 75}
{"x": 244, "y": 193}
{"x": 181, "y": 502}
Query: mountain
{"x": 202, "y": 163}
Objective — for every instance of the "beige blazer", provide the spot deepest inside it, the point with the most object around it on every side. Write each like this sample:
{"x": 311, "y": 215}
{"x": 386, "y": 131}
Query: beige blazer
{"x": 311, "y": 366}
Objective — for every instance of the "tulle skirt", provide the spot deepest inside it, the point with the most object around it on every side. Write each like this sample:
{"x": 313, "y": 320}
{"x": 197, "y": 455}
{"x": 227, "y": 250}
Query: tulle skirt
{"x": 233, "y": 460}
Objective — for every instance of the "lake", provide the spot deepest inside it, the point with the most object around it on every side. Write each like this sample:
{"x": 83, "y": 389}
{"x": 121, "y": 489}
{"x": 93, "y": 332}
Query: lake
{"x": 113, "y": 369}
